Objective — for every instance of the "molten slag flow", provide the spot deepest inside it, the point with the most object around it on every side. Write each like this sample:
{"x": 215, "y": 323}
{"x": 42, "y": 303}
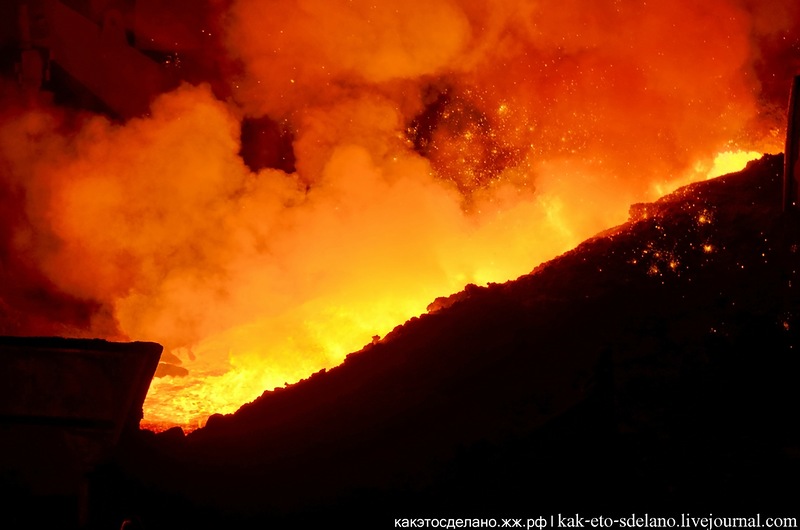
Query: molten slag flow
{"x": 436, "y": 144}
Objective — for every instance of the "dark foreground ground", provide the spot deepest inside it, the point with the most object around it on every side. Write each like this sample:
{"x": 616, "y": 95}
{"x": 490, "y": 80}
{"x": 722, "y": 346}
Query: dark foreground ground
{"x": 654, "y": 369}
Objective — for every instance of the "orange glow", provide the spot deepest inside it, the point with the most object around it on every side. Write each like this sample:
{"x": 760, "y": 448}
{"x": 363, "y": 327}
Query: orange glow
{"x": 731, "y": 161}
{"x": 437, "y": 144}
{"x": 711, "y": 167}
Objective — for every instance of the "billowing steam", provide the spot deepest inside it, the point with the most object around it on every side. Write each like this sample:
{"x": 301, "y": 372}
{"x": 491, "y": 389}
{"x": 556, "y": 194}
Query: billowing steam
{"x": 435, "y": 143}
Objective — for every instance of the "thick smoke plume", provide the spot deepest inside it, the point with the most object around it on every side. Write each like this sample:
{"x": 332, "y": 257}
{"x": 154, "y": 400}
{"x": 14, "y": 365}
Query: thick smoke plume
{"x": 436, "y": 143}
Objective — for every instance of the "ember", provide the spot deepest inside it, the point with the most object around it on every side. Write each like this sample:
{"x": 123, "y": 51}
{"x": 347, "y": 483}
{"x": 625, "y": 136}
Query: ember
{"x": 410, "y": 151}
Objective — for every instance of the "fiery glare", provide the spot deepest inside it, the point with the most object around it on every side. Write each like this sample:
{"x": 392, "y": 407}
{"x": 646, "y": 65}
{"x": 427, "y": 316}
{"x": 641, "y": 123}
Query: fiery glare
{"x": 437, "y": 144}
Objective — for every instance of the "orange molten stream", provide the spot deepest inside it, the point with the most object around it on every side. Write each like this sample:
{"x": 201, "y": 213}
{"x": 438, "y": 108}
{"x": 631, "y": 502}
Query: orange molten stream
{"x": 437, "y": 144}
{"x": 236, "y": 366}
